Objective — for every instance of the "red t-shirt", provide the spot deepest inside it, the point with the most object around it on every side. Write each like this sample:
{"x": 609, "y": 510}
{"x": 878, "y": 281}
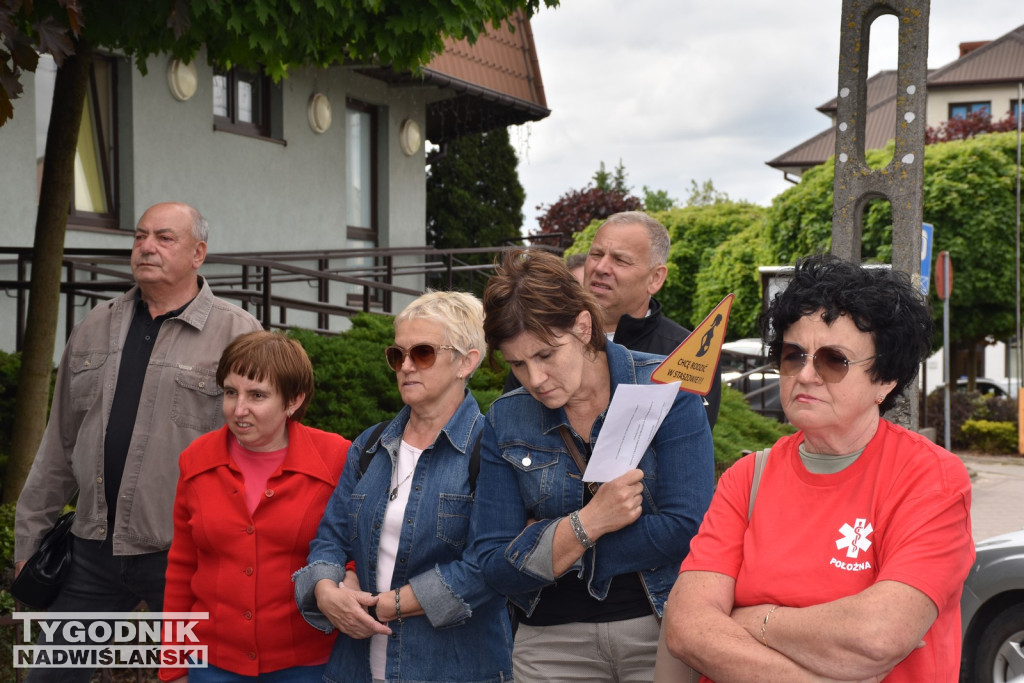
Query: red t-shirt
{"x": 900, "y": 512}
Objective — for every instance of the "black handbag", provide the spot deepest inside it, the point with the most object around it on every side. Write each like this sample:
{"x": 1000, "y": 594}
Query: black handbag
{"x": 40, "y": 580}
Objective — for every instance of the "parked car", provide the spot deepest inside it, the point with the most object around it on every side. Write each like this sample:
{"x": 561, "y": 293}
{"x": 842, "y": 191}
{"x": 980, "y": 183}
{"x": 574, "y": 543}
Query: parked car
{"x": 992, "y": 612}
{"x": 745, "y": 367}
{"x": 987, "y": 385}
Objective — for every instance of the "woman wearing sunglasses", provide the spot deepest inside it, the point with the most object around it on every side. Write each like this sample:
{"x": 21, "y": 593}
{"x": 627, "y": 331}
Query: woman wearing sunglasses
{"x": 849, "y": 565}
{"x": 588, "y": 568}
{"x": 399, "y": 518}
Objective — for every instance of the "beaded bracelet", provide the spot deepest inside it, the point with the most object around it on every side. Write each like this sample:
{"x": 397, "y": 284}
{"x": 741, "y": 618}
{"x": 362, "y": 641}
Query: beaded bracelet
{"x": 398, "y": 606}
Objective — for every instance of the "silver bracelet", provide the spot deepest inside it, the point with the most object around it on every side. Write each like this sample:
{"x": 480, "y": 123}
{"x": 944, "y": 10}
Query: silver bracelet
{"x": 581, "y": 533}
{"x": 398, "y": 606}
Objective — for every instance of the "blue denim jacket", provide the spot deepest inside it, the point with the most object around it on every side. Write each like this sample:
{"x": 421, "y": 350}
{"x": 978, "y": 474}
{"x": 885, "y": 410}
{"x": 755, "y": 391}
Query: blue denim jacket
{"x": 465, "y": 634}
{"x": 526, "y": 473}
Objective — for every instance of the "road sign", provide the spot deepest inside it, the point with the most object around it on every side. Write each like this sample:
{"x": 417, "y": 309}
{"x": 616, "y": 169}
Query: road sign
{"x": 943, "y": 275}
{"x": 927, "y": 235}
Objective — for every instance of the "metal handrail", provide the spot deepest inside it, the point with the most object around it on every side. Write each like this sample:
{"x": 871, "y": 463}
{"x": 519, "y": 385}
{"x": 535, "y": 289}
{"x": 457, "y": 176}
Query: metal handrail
{"x": 253, "y": 279}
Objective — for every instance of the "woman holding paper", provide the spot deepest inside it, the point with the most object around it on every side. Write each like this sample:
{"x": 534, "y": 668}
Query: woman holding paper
{"x": 588, "y": 568}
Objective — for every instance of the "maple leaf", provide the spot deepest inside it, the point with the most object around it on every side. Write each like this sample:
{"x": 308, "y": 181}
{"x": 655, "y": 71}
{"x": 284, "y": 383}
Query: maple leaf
{"x": 178, "y": 20}
{"x": 53, "y": 38}
{"x": 10, "y": 84}
{"x": 10, "y": 88}
{"x": 22, "y": 54}
{"x": 74, "y": 12}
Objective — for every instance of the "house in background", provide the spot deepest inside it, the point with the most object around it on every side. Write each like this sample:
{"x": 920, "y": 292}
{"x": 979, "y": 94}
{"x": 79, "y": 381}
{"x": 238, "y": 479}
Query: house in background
{"x": 982, "y": 80}
{"x": 327, "y": 159}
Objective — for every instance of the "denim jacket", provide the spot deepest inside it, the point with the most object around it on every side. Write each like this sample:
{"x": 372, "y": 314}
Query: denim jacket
{"x": 526, "y": 473}
{"x": 465, "y": 634}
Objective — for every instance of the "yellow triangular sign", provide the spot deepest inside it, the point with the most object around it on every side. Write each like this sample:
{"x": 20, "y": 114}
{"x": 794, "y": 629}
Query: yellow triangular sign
{"x": 693, "y": 363}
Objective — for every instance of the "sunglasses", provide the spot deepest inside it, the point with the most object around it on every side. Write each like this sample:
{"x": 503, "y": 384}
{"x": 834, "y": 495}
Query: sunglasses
{"x": 422, "y": 355}
{"x": 829, "y": 362}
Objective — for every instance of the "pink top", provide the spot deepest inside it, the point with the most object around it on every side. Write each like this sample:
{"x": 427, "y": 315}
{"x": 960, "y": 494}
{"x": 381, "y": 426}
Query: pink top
{"x": 256, "y": 467}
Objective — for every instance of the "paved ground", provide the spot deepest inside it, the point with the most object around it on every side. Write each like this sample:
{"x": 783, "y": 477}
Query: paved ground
{"x": 997, "y": 505}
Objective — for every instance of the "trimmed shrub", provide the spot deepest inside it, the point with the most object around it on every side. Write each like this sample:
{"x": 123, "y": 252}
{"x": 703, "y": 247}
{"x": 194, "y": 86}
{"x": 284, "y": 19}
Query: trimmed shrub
{"x": 987, "y": 436}
{"x": 964, "y": 406}
{"x": 740, "y": 429}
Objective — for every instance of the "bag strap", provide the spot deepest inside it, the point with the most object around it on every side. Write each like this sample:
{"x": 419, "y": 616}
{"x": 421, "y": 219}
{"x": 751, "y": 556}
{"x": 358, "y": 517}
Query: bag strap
{"x": 760, "y": 459}
{"x": 366, "y": 457}
{"x": 570, "y": 443}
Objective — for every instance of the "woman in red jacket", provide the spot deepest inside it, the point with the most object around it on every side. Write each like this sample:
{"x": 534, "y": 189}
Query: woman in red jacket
{"x": 250, "y": 496}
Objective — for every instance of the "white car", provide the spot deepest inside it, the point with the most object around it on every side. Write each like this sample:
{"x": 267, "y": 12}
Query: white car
{"x": 992, "y": 612}
{"x": 987, "y": 385}
{"x": 745, "y": 367}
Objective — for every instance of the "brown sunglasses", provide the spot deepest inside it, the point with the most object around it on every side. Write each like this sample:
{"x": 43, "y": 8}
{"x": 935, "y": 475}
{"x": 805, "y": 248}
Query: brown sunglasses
{"x": 829, "y": 362}
{"x": 422, "y": 355}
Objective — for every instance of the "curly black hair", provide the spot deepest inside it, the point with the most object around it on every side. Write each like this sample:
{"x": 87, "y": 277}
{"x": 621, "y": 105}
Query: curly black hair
{"x": 880, "y": 301}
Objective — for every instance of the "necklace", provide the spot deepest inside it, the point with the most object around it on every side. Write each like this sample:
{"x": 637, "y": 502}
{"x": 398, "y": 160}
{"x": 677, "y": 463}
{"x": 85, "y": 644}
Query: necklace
{"x": 394, "y": 491}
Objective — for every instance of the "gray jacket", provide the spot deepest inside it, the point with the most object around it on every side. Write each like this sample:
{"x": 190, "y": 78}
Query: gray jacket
{"x": 180, "y": 400}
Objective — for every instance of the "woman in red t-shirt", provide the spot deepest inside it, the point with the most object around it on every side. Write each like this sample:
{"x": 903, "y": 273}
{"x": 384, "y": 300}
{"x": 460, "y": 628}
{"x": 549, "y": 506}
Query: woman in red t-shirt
{"x": 851, "y": 563}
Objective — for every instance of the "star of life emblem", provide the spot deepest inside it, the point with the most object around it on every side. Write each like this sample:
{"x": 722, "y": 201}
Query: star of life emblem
{"x": 855, "y": 538}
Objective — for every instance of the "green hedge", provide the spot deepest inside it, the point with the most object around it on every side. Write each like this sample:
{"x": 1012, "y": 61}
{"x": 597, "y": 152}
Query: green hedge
{"x": 965, "y": 406}
{"x": 987, "y": 436}
{"x": 739, "y": 429}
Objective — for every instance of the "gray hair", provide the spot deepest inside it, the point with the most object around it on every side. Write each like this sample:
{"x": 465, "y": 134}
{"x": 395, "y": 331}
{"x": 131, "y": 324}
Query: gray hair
{"x": 460, "y": 314}
{"x": 200, "y": 228}
{"x": 573, "y": 261}
{"x": 655, "y": 231}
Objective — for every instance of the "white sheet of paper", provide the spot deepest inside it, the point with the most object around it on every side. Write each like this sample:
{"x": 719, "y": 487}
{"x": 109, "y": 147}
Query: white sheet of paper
{"x": 632, "y": 420}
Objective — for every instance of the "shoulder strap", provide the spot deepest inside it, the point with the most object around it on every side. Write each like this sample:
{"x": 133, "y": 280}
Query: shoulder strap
{"x": 760, "y": 458}
{"x": 577, "y": 457}
{"x": 474, "y": 463}
{"x": 366, "y": 457}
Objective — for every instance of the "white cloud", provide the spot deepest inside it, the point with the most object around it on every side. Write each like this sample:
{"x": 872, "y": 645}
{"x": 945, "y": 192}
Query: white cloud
{"x": 683, "y": 91}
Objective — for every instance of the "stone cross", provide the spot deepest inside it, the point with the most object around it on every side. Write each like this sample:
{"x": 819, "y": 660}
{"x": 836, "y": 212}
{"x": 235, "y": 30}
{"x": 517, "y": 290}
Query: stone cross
{"x": 901, "y": 182}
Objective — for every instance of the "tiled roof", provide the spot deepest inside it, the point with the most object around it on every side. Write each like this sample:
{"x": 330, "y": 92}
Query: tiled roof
{"x": 998, "y": 61}
{"x": 880, "y": 127}
{"x": 880, "y": 86}
{"x": 492, "y": 83}
{"x": 501, "y": 61}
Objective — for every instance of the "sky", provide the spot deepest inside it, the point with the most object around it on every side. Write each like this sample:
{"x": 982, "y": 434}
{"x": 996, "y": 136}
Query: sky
{"x": 683, "y": 91}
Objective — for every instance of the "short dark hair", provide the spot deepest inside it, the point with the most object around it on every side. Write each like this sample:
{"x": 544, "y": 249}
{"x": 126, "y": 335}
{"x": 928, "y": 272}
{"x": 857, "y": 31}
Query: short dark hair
{"x": 533, "y": 291}
{"x": 273, "y": 357}
{"x": 880, "y": 301}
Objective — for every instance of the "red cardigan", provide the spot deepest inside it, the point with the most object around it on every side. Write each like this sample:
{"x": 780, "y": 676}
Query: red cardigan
{"x": 238, "y": 567}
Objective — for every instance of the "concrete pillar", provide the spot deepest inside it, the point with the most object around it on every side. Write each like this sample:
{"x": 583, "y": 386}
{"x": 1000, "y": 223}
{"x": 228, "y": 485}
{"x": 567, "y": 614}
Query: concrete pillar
{"x": 900, "y": 182}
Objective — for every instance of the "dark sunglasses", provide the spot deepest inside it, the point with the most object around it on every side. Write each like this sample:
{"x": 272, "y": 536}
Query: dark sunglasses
{"x": 422, "y": 355}
{"x": 829, "y": 362}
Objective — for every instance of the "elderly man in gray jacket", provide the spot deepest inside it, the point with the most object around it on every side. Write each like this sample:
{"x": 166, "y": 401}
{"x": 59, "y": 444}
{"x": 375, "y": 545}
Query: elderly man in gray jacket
{"x": 136, "y": 384}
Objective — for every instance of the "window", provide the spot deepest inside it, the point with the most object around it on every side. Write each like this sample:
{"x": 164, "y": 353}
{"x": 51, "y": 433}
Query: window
{"x": 1013, "y": 108}
{"x": 361, "y": 172}
{"x": 245, "y": 103}
{"x": 961, "y": 111}
{"x": 94, "y": 199}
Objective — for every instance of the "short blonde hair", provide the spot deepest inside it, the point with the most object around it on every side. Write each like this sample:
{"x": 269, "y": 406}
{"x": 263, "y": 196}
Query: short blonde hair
{"x": 460, "y": 314}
